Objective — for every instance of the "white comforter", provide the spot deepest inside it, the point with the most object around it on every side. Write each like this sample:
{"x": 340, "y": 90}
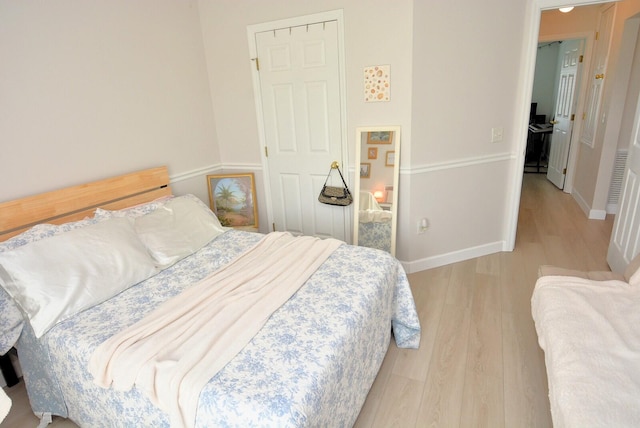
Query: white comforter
{"x": 590, "y": 332}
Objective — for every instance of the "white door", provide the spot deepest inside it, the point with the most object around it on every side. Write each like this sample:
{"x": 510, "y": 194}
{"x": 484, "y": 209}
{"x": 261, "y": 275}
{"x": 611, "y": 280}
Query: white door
{"x": 625, "y": 237}
{"x": 299, "y": 79}
{"x": 569, "y": 59}
{"x": 593, "y": 100}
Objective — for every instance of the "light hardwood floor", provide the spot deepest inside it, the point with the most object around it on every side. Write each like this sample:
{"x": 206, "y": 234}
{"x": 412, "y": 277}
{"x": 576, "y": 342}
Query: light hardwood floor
{"x": 479, "y": 363}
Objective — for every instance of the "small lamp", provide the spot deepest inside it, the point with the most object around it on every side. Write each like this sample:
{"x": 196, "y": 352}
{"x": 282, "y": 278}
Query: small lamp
{"x": 378, "y": 195}
{"x": 566, "y": 9}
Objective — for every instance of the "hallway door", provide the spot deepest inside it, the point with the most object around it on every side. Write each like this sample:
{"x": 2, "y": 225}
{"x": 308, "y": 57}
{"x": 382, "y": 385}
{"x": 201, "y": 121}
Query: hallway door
{"x": 596, "y": 83}
{"x": 570, "y": 58}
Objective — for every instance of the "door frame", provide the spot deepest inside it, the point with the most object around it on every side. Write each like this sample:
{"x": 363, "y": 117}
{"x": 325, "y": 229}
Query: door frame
{"x": 531, "y": 31}
{"x": 332, "y": 15}
{"x": 574, "y": 140}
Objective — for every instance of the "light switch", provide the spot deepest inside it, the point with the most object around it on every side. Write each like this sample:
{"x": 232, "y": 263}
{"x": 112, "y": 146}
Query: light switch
{"x": 496, "y": 134}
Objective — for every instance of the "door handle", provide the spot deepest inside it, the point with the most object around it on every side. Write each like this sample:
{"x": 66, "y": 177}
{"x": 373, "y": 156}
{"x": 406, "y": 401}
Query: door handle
{"x": 599, "y": 76}
{"x": 553, "y": 122}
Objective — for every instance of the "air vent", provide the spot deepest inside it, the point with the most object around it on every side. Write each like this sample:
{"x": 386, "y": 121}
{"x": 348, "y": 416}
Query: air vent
{"x": 616, "y": 180}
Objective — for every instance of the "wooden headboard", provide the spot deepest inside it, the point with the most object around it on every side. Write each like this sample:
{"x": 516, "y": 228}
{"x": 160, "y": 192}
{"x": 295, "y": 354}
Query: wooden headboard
{"x": 77, "y": 202}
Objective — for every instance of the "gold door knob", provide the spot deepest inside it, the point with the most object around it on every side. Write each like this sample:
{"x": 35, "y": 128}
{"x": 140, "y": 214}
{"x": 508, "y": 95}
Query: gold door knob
{"x": 553, "y": 122}
{"x": 599, "y": 76}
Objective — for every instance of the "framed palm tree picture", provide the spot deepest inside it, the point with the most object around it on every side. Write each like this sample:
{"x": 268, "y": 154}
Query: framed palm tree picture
{"x": 233, "y": 199}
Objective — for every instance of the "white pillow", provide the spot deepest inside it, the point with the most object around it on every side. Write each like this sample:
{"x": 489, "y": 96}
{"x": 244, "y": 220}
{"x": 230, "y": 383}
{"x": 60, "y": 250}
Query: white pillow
{"x": 177, "y": 229}
{"x": 58, "y": 277}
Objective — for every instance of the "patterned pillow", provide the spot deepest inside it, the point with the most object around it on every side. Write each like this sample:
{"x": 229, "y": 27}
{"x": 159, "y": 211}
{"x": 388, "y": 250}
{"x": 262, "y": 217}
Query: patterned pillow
{"x": 134, "y": 211}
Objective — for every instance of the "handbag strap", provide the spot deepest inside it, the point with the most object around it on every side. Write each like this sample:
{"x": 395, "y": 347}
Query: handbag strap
{"x": 341, "y": 177}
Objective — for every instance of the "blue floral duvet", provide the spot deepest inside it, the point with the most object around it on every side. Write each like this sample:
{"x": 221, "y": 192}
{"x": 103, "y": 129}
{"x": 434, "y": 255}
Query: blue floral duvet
{"x": 312, "y": 364}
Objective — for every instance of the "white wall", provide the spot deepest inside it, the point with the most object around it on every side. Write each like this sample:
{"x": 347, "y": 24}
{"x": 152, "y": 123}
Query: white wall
{"x": 446, "y": 99}
{"x": 95, "y": 89}
{"x": 467, "y": 66}
{"x": 91, "y": 89}
{"x": 376, "y": 32}
{"x": 544, "y": 83}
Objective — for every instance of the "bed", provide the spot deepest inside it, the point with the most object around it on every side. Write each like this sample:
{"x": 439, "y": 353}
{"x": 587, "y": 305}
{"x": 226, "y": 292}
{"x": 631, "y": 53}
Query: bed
{"x": 587, "y": 325}
{"x": 374, "y": 223}
{"x": 312, "y": 363}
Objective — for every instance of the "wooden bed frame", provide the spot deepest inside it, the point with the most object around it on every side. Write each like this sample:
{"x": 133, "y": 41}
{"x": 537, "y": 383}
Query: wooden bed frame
{"x": 77, "y": 202}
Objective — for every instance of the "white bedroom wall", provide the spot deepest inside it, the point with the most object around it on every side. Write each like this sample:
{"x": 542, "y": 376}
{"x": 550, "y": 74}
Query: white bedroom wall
{"x": 467, "y": 66}
{"x": 376, "y": 32}
{"x": 93, "y": 89}
{"x": 455, "y": 73}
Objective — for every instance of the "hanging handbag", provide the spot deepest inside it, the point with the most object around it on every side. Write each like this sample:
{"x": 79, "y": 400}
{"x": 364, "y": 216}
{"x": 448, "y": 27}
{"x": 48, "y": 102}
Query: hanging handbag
{"x": 333, "y": 195}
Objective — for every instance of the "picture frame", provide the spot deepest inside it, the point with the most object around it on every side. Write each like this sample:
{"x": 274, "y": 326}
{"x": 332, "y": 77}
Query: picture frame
{"x": 232, "y": 197}
{"x": 390, "y": 159}
{"x": 379, "y": 137}
{"x": 365, "y": 170}
{"x": 372, "y": 153}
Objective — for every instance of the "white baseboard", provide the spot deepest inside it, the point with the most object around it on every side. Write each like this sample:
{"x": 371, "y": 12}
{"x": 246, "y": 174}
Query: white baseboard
{"x": 453, "y": 257}
{"x": 588, "y": 211}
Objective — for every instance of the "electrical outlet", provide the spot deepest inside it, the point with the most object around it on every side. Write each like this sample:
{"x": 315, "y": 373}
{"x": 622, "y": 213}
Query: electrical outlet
{"x": 496, "y": 134}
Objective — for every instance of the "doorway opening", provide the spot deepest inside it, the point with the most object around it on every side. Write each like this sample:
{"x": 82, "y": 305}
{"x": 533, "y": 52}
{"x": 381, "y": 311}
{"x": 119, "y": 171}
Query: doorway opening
{"x": 535, "y": 35}
{"x": 557, "y": 96}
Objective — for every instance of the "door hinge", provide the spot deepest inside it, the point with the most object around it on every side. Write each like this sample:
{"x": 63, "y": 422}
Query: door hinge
{"x": 573, "y": 117}
{"x": 581, "y": 58}
{"x": 584, "y": 116}
{"x": 273, "y": 225}
{"x": 257, "y": 61}
{"x": 564, "y": 171}
{"x": 266, "y": 151}
{"x": 597, "y": 35}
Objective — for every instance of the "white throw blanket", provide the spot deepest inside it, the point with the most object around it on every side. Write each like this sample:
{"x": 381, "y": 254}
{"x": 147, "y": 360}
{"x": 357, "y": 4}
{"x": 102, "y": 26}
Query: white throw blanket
{"x": 590, "y": 332}
{"x": 175, "y": 350}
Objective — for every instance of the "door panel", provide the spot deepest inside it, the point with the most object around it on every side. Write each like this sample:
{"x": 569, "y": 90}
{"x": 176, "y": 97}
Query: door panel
{"x": 569, "y": 60}
{"x": 318, "y": 132}
{"x": 291, "y": 205}
{"x": 283, "y": 105}
{"x": 597, "y": 76}
{"x": 301, "y": 106}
